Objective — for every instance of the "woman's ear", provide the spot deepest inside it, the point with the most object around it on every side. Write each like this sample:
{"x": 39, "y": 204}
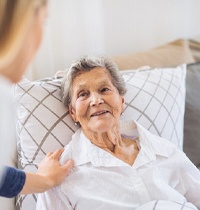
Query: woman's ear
{"x": 72, "y": 113}
{"x": 123, "y": 102}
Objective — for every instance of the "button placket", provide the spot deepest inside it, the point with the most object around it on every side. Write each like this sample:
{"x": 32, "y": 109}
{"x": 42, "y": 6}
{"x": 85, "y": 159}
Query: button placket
{"x": 139, "y": 186}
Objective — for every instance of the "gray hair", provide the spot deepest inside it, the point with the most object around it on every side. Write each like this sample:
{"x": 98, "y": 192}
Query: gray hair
{"x": 87, "y": 64}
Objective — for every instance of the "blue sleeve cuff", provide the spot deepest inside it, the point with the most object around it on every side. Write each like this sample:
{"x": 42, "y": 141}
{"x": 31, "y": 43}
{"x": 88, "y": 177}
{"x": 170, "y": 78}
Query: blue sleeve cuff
{"x": 12, "y": 182}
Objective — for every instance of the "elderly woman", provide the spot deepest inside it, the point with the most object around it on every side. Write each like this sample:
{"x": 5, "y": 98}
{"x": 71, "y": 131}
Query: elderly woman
{"x": 118, "y": 166}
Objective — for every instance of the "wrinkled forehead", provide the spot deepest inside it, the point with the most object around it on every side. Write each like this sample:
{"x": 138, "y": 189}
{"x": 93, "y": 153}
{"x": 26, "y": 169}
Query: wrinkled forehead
{"x": 98, "y": 76}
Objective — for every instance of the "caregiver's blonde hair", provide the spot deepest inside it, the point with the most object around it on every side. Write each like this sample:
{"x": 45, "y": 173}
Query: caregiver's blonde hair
{"x": 16, "y": 17}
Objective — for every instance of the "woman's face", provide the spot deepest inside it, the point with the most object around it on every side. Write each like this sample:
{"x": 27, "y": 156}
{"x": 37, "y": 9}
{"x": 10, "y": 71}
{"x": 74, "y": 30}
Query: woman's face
{"x": 96, "y": 103}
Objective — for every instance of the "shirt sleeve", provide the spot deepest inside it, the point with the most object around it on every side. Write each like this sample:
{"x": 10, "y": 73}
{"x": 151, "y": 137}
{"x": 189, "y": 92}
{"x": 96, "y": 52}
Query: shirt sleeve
{"x": 190, "y": 176}
{"x": 12, "y": 182}
{"x": 53, "y": 199}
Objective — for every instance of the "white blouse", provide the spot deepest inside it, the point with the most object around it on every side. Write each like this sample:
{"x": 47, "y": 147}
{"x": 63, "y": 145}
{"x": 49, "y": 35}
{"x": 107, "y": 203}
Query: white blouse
{"x": 101, "y": 181}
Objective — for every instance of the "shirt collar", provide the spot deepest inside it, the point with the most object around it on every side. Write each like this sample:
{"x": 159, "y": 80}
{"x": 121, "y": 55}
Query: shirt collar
{"x": 82, "y": 151}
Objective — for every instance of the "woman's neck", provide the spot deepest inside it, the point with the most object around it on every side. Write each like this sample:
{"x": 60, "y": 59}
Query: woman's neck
{"x": 105, "y": 140}
{"x": 112, "y": 142}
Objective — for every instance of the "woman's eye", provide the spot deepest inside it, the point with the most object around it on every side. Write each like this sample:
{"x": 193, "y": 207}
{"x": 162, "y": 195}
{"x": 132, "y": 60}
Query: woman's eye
{"x": 104, "y": 89}
{"x": 82, "y": 94}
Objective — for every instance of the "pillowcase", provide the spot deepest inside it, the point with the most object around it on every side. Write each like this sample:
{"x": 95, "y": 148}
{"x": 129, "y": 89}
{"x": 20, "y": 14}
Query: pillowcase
{"x": 168, "y": 55}
{"x": 192, "y": 114}
{"x": 155, "y": 98}
{"x": 43, "y": 125}
{"x": 164, "y": 204}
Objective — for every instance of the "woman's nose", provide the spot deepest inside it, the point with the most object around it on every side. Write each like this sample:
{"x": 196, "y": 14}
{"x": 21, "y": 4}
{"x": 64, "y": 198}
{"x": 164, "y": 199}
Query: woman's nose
{"x": 96, "y": 99}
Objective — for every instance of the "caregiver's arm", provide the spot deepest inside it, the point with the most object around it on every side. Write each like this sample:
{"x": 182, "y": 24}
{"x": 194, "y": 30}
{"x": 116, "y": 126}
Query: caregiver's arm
{"x": 49, "y": 174}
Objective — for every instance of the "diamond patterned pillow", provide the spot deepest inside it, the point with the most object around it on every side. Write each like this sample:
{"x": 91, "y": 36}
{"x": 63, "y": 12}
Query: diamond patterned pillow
{"x": 155, "y": 98}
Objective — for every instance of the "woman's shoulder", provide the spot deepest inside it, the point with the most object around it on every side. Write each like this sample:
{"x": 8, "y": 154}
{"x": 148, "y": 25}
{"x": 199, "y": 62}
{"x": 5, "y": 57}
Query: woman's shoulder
{"x": 68, "y": 152}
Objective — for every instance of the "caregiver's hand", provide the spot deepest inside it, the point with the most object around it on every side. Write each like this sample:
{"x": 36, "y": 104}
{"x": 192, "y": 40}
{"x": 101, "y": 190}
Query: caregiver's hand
{"x": 49, "y": 174}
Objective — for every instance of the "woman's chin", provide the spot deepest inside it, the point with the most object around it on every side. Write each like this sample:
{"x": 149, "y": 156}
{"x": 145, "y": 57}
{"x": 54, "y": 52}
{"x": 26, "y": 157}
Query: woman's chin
{"x": 100, "y": 126}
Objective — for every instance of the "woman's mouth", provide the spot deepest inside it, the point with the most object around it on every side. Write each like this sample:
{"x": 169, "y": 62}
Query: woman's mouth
{"x": 99, "y": 113}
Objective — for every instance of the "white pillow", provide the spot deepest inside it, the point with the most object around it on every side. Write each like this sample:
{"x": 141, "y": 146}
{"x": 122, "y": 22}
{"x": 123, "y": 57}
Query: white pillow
{"x": 155, "y": 98}
{"x": 167, "y": 205}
